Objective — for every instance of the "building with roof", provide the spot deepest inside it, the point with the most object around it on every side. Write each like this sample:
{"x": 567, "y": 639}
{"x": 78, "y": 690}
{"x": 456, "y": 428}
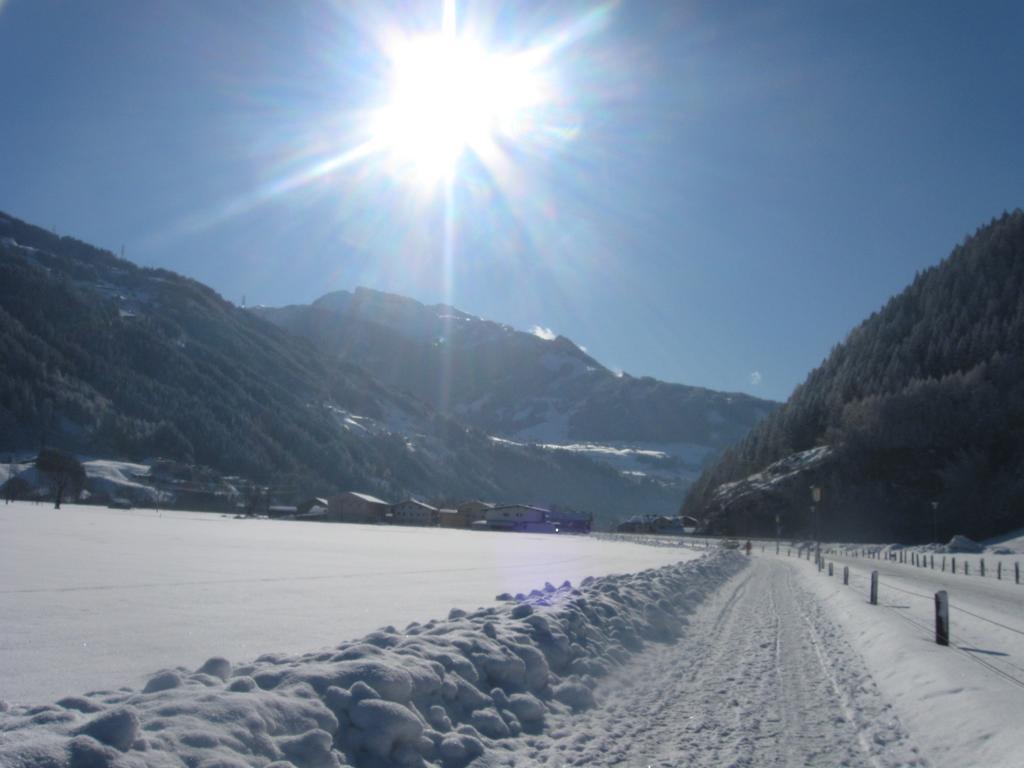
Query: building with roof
{"x": 515, "y": 517}
{"x": 452, "y": 518}
{"x": 474, "y": 510}
{"x": 413, "y": 512}
{"x": 354, "y": 507}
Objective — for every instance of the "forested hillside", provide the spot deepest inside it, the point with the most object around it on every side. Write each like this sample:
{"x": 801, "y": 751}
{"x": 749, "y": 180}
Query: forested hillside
{"x": 105, "y": 358}
{"x": 922, "y": 407}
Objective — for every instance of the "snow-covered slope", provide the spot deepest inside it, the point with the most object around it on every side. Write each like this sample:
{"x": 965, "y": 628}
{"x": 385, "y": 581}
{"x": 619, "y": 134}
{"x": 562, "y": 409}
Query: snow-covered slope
{"x": 525, "y": 387}
{"x": 774, "y": 499}
{"x": 105, "y": 479}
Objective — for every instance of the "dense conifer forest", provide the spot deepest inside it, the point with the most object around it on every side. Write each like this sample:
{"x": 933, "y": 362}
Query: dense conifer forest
{"x": 922, "y": 406}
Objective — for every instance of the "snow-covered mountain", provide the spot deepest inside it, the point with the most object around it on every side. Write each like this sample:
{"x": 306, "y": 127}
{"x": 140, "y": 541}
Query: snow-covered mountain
{"x": 523, "y": 387}
{"x": 109, "y": 360}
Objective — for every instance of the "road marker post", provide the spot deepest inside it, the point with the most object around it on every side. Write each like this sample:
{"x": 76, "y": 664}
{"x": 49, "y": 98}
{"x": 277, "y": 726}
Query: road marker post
{"x": 874, "y": 587}
{"x": 846, "y": 576}
{"x": 942, "y": 617}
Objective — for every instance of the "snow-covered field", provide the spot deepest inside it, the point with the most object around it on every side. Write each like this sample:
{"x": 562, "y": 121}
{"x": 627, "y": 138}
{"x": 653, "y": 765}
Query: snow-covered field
{"x": 491, "y": 687}
{"x": 95, "y": 598}
{"x": 711, "y": 659}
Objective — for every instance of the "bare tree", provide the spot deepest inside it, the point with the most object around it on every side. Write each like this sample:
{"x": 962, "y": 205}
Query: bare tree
{"x": 64, "y": 472}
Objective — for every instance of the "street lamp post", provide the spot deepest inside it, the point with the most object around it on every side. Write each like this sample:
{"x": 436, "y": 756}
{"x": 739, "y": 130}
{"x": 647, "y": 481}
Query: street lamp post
{"x": 935, "y": 527}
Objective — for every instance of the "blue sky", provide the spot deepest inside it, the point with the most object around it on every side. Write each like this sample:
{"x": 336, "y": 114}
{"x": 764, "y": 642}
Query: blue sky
{"x": 732, "y": 186}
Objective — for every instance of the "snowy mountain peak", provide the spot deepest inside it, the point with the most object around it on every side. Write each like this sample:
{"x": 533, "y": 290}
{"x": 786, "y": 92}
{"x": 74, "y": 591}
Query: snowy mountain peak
{"x": 532, "y": 386}
{"x": 409, "y": 317}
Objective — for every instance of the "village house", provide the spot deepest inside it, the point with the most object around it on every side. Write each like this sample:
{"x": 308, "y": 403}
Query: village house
{"x": 570, "y": 521}
{"x": 413, "y": 512}
{"x": 304, "y": 508}
{"x": 353, "y": 507}
{"x": 517, "y": 517}
{"x": 452, "y": 518}
{"x": 474, "y": 510}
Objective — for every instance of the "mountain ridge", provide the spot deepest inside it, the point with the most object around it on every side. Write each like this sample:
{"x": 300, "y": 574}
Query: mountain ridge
{"x": 114, "y": 360}
{"x": 519, "y": 386}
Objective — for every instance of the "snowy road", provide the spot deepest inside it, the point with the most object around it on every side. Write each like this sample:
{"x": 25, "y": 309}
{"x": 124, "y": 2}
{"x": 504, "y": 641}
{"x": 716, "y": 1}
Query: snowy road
{"x": 762, "y": 677}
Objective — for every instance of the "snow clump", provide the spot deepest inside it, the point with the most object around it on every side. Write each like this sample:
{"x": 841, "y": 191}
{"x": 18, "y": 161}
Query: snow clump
{"x": 457, "y": 692}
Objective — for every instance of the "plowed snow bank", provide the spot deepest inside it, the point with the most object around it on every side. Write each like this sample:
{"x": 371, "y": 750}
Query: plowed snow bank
{"x": 442, "y": 693}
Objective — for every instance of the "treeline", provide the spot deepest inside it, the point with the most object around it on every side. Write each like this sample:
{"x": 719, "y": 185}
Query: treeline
{"x": 923, "y": 405}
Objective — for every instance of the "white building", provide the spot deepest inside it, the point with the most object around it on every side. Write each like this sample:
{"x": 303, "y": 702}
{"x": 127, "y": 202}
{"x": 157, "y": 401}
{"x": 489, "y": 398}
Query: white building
{"x": 515, "y": 517}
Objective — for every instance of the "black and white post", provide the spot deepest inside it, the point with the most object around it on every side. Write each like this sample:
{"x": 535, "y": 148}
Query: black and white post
{"x": 942, "y": 617}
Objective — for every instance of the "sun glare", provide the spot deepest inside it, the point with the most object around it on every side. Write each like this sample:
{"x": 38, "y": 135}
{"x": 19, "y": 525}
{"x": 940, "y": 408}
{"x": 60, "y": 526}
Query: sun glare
{"x": 448, "y": 96}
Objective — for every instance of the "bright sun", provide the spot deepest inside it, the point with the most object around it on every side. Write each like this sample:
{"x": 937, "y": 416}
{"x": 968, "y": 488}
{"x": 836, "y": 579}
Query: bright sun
{"x": 448, "y": 96}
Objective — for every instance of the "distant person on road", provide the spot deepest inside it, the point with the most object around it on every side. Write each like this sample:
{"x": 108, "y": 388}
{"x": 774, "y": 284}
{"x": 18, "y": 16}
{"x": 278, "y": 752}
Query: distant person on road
{"x": 747, "y": 547}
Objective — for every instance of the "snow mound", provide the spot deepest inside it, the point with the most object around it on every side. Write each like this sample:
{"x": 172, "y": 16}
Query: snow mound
{"x": 1008, "y": 544}
{"x": 961, "y": 543}
{"x": 447, "y": 693}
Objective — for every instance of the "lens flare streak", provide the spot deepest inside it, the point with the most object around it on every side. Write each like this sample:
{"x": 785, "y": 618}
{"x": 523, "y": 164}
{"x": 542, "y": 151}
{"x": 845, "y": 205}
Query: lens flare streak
{"x": 458, "y": 136}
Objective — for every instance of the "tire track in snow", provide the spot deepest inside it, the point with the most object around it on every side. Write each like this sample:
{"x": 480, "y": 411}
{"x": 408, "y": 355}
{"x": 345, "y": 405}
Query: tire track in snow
{"x": 761, "y": 678}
